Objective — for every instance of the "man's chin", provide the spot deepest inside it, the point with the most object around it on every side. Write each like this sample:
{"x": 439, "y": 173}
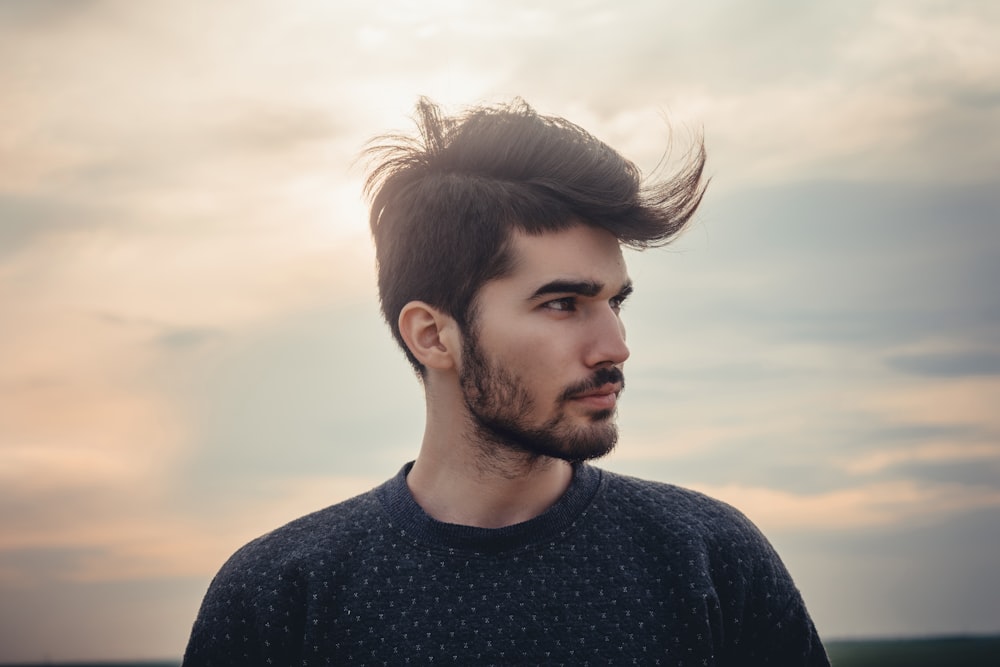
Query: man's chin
{"x": 589, "y": 440}
{"x": 581, "y": 455}
{"x": 590, "y": 443}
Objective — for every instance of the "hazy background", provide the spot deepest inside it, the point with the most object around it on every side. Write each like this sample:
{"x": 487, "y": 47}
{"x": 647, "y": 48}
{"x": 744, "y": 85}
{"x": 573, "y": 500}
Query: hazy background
{"x": 191, "y": 354}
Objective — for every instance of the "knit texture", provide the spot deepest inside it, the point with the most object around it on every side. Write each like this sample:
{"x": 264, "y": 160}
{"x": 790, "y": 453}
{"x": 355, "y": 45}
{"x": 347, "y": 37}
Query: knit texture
{"x": 619, "y": 571}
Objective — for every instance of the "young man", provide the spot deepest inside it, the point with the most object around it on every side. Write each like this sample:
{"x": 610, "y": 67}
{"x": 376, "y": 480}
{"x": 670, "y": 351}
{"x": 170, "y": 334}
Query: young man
{"x": 498, "y": 236}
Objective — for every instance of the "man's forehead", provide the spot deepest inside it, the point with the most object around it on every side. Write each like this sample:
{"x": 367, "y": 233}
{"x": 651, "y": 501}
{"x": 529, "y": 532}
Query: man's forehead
{"x": 578, "y": 253}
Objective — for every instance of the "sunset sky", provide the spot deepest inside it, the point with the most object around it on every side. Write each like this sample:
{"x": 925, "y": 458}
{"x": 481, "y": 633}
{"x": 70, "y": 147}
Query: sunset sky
{"x": 191, "y": 352}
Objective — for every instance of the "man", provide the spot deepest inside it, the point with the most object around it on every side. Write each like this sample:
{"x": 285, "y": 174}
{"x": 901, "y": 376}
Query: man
{"x": 498, "y": 236}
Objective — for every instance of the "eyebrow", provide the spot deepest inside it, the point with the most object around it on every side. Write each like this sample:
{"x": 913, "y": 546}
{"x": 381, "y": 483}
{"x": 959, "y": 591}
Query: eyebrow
{"x": 581, "y": 287}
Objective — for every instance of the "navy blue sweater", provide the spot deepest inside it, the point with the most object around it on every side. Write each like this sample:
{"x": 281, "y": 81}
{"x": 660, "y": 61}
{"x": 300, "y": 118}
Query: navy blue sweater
{"x": 619, "y": 571}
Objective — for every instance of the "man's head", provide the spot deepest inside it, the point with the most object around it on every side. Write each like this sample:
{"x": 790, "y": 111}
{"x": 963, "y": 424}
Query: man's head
{"x": 540, "y": 370}
{"x": 447, "y": 206}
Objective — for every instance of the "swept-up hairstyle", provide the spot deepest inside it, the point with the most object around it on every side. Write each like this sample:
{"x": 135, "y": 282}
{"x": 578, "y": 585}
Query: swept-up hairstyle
{"x": 444, "y": 204}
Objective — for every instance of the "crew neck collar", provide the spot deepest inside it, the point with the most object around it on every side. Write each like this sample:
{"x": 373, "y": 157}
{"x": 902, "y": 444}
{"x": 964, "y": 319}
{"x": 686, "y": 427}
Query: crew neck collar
{"x": 410, "y": 520}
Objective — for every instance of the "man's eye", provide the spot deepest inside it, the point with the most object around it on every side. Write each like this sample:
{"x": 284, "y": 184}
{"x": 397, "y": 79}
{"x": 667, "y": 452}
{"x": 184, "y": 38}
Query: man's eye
{"x": 565, "y": 305}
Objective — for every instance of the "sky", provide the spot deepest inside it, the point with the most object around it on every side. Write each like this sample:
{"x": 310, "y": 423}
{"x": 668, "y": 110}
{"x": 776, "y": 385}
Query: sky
{"x": 191, "y": 352}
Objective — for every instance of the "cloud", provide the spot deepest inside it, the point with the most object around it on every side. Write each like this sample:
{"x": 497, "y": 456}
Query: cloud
{"x": 311, "y": 391}
{"x": 192, "y": 351}
{"x": 182, "y": 338}
{"x": 28, "y": 219}
{"x": 824, "y": 91}
{"x": 959, "y": 364}
{"x": 42, "y": 14}
{"x": 842, "y": 263}
{"x": 60, "y": 621}
{"x": 133, "y": 534}
{"x": 884, "y": 504}
{"x": 919, "y": 578}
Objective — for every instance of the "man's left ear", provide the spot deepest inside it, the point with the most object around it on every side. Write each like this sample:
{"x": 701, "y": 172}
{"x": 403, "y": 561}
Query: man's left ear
{"x": 431, "y": 335}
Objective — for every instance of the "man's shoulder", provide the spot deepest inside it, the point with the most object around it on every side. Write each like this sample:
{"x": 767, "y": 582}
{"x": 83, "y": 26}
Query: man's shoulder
{"x": 323, "y": 535}
{"x": 661, "y": 503}
{"x": 663, "y": 494}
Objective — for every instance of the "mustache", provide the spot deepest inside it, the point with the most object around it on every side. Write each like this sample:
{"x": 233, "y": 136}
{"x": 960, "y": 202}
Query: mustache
{"x": 601, "y": 377}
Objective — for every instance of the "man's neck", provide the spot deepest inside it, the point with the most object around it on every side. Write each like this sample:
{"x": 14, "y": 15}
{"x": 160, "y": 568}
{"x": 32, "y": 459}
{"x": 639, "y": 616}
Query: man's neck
{"x": 462, "y": 482}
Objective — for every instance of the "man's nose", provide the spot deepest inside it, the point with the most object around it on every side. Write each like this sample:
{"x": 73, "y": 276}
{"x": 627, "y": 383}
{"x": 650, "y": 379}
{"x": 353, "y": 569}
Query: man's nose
{"x": 608, "y": 345}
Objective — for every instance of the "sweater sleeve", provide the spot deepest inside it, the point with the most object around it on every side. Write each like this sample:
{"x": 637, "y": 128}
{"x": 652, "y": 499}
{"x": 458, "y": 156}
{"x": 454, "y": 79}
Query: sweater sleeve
{"x": 250, "y": 616}
{"x": 225, "y": 631}
{"x": 777, "y": 628}
{"x": 793, "y": 639}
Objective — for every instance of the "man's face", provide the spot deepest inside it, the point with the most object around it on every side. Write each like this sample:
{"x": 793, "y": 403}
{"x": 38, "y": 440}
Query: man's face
{"x": 541, "y": 366}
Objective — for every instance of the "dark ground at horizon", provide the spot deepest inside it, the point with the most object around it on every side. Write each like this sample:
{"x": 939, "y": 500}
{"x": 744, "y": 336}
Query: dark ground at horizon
{"x": 923, "y": 652}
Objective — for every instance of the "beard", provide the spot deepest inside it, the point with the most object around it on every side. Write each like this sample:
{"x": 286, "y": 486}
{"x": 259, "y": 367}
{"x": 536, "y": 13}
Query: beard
{"x": 500, "y": 409}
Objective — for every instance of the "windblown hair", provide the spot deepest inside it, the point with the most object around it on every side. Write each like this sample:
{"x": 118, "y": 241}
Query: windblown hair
{"x": 444, "y": 204}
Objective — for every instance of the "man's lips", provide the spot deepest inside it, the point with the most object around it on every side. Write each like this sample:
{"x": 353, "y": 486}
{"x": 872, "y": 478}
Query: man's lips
{"x": 601, "y": 398}
{"x": 603, "y": 390}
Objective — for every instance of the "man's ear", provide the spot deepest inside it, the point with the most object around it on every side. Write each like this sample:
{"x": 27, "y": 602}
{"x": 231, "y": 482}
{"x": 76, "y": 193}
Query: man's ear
{"x": 432, "y": 336}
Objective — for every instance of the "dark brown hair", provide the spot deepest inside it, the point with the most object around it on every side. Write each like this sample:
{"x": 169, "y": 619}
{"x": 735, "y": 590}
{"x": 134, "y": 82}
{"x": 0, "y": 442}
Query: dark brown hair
{"x": 444, "y": 204}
